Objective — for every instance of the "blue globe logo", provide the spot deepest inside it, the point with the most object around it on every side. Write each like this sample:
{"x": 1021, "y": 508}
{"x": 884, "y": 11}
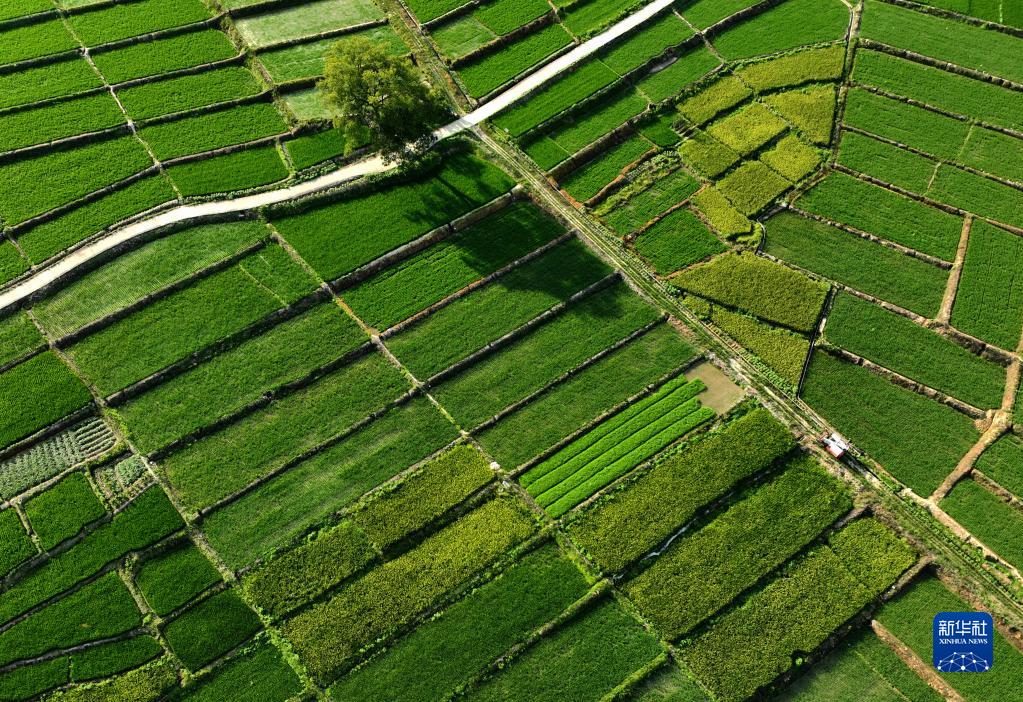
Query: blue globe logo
{"x": 963, "y": 663}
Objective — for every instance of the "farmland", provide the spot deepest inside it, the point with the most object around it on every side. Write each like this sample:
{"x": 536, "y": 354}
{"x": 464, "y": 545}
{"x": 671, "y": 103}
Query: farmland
{"x": 541, "y": 411}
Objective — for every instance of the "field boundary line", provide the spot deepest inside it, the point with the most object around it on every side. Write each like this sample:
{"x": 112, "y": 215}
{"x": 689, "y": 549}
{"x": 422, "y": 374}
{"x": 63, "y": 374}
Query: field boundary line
{"x": 952, "y": 284}
{"x": 915, "y": 663}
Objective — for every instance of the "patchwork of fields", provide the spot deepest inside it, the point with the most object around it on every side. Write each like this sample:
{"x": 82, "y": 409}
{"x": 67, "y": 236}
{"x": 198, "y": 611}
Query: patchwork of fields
{"x": 107, "y": 112}
{"x": 422, "y": 437}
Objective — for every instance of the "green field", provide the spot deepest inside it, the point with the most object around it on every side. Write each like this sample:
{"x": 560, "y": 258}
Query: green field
{"x": 533, "y": 412}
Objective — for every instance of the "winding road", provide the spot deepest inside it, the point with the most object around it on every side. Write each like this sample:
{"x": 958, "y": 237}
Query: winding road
{"x": 66, "y": 265}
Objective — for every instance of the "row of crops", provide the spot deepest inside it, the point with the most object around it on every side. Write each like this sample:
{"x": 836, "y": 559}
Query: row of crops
{"x": 294, "y": 508}
{"x": 165, "y": 96}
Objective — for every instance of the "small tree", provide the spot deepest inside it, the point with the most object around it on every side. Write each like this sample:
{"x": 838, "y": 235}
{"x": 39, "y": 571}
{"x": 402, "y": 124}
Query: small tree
{"x": 379, "y": 99}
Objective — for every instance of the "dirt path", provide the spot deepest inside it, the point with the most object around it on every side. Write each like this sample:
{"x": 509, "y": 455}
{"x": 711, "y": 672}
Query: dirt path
{"x": 945, "y": 313}
{"x": 915, "y": 663}
{"x": 66, "y": 265}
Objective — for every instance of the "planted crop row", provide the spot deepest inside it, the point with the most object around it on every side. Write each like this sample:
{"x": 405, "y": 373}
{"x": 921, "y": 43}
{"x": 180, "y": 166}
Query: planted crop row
{"x": 750, "y": 646}
{"x": 188, "y": 320}
{"x": 975, "y": 193}
{"x": 651, "y": 41}
{"x": 36, "y": 393}
{"x": 45, "y": 459}
{"x": 130, "y": 277}
{"x": 55, "y": 235}
{"x": 723, "y": 94}
{"x": 994, "y": 521}
{"x": 810, "y": 110}
{"x": 856, "y": 262}
{"x": 424, "y": 496}
{"x": 747, "y": 129}
{"x": 101, "y": 609}
{"x": 487, "y": 74}
{"x": 133, "y": 19}
{"x": 163, "y": 55}
{"x": 669, "y": 81}
{"x": 999, "y": 463}
{"x": 638, "y": 448}
{"x": 15, "y": 544}
{"x": 987, "y": 50}
{"x": 228, "y": 382}
{"x": 677, "y": 241}
{"x": 274, "y": 513}
{"x": 64, "y": 78}
{"x": 330, "y": 634}
{"x": 259, "y": 672}
{"x": 210, "y": 629}
{"x": 787, "y": 26}
{"x": 304, "y": 20}
{"x": 594, "y": 176}
{"x": 503, "y": 16}
{"x": 861, "y": 662}
{"x": 12, "y": 263}
{"x": 586, "y": 659}
{"x": 706, "y": 13}
{"x": 766, "y": 289}
{"x": 448, "y": 650}
{"x": 989, "y": 300}
{"x": 917, "y": 439}
{"x": 752, "y": 186}
{"x": 268, "y": 438}
{"x": 890, "y": 164}
{"x": 632, "y": 210}
{"x": 527, "y": 364}
{"x": 469, "y": 323}
{"x": 782, "y": 350}
{"x": 569, "y": 406}
{"x": 556, "y": 98}
{"x": 312, "y": 149}
{"x": 704, "y": 571}
{"x": 306, "y": 60}
{"x": 213, "y": 130}
{"x": 1007, "y": 14}
{"x": 35, "y": 40}
{"x": 587, "y": 17}
{"x": 148, "y": 518}
{"x": 37, "y": 185}
{"x": 174, "y": 578}
{"x": 809, "y": 66}
{"x": 922, "y": 601}
{"x": 395, "y": 214}
{"x": 951, "y": 92}
{"x": 594, "y": 444}
{"x": 296, "y": 577}
{"x": 897, "y": 343}
{"x": 584, "y": 128}
{"x": 793, "y": 159}
{"x": 725, "y": 219}
{"x": 645, "y": 512}
{"x": 240, "y": 170}
{"x": 63, "y": 510}
{"x": 448, "y": 266}
{"x": 907, "y": 124}
{"x": 707, "y": 155}
{"x": 60, "y": 120}
{"x": 188, "y": 92}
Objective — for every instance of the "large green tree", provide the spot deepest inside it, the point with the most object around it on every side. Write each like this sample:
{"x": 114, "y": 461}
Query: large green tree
{"x": 380, "y": 99}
